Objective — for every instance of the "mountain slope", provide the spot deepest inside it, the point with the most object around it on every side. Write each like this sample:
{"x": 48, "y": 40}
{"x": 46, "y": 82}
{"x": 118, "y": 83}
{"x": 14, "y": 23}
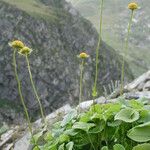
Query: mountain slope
{"x": 115, "y": 21}
{"x": 56, "y": 43}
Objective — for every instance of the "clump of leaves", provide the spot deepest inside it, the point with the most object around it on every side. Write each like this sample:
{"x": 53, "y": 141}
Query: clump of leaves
{"x": 112, "y": 126}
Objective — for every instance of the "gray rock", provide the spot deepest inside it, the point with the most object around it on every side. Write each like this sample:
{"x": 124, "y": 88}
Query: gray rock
{"x": 137, "y": 95}
{"x": 147, "y": 86}
{"x": 24, "y": 142}
{"x": 56, "y": 41}
{"x": 139, "y": 82}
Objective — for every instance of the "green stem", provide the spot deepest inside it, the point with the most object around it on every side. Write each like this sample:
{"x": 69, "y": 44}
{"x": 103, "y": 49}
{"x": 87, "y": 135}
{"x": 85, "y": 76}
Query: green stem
{"x": 81, "y": 81}
{"x": 34, "y": 89}
{"x": 94, "y": 92}
{"x": 126, "y": 49}
{"x": 91, "y": 141}
{"x": 20, "y": 92}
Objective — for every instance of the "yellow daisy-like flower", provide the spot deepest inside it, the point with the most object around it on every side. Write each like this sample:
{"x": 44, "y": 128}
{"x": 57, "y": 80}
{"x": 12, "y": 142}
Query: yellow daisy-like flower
{"x": 25, "y": 51}
{"x": 133, "y": 6}
{"x": 83, "y": 55}
{"x": 16, "y": 44}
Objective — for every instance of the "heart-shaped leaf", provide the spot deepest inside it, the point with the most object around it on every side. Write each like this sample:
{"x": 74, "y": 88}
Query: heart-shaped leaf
{"x": 61, "y": 147}
{"x": 83, "y": 126}
{"x": 64, "y": 138}
{"x": 127, "y": 115}
{"x": 69, "y": 146}
{"x": 72, "y": 114}
{"x": 140, "y": 133}
{"x": 144, "y": 146}
{"x": 118, "y": 147}
{"x": 104, "y": 148}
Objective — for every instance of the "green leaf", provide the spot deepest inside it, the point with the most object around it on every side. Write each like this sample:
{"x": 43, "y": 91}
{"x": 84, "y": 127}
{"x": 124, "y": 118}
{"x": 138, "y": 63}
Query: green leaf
{"x": 144, "y": 146}
{"x": 127, "y": 115}
{"x": 83, "y": 126}
{"x": 63, "y": 138}
{"x": 135, "y": 104}
{"x": 114, "y": 123}
{"x": 72, "y": 114}
{"x": 144, "y": 116}
{"x": 62, "y": 147}
{"x": 36, "y": 148}
{"x": 98, "y": 128}
{"x": 36, "y": 137}
{"x": 57, "y": 132}
{"x": 85, "y": 117}
{"x": 48, "y": 136}
{"x": 118, "y": 147}
{"x": 69, "y": 146}
{"x": 71, "y": 132}
{"x": 140, "y": 133}
{"x": 104, "y": 148}
{"x": 52, "y": 147}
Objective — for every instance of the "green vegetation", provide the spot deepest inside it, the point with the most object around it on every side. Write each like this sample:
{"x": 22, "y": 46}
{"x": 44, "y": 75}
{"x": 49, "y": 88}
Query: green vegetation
{"x": 116, "y": 126}
{"x": 111, "y": 126}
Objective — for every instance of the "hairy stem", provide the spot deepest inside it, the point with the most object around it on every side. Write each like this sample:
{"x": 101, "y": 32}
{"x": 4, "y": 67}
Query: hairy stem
{"x": 81, "y": 80}
{"x": 20, "y": 92}
{"x": 34, "y": 89}
{"x": 94, "y": 92}
{"x": 126, "y": 49}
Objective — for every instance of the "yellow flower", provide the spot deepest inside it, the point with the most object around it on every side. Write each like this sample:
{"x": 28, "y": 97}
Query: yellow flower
{"x": 16, "y": 44}
{"x": 25, "y": 51}
{"x": 83, "y": 55}
{"x": 133, "y": 6}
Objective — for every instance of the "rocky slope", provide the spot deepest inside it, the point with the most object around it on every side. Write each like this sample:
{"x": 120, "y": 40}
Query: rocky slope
{"x": 138, "y": 89}
{"x": 57, "y": 35}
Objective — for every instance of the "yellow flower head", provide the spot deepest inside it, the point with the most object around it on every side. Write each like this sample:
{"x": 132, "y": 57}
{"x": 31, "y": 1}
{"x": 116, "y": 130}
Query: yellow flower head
{"x": 25, "y": 51}
{"x": 83, "y": 55}
{"x": 133, "y": 6}
{"x": 16, "y": 44}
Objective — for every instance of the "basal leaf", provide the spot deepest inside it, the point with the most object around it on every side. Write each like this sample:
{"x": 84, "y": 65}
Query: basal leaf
{"x": 144, "y": 116}
{"x": 48, "y": 136}
{"x": 36, "y": 137}
{"x": 83, "y": 126}
{"x": 140, "y": 133}
{"x": 62, "y": 147}
{"x": 144, "y": 146}
{"x": 104, "y": 148}
{"x": 69, "y": 146}
{"x": 64, "y": 138}
{"x": 71, "y": 132}
{"x": 114, "y": 123}
{"x": 127, "y": 115}
{"x": 118, "y": 147}
{"x": 68, "y": 117}
{"x": 98, "y": 128}
{"x": 136, "y": 104}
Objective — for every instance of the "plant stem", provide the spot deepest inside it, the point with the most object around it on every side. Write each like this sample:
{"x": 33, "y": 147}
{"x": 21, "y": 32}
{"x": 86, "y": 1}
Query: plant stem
{"x": 34, "y": 89}
{"x": 81, "y": 81}
{"x": 20, "y": 92}
{"x": 94, "y": 92}
{"x": 91, "y": 141}
{"x": 126, "y": 48}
